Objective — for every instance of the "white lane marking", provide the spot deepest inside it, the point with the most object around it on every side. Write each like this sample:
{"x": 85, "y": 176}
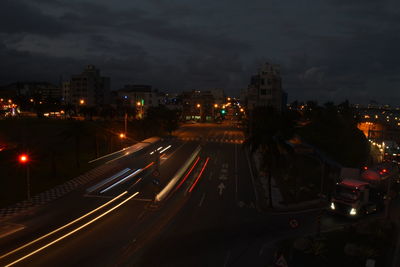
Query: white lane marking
{"x": 221, "y": 188}
{"x": 252, "y": 179}
{"x": 202, "y": 199}
{"x": 223, "y": 177}
{"x": 227, "y": 258}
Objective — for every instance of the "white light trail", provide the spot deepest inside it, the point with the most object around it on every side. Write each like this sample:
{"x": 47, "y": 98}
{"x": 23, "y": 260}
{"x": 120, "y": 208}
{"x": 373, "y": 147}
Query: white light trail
{"x": 120, "y": 181}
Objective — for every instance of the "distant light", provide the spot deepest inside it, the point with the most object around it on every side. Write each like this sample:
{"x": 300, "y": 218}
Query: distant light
{"x": 215, "y": 105}
{"x": 31, "y": 99}
{"x": 122, "y": 135}
{"x": 125, "y": 96}
{"x": 138, "y": 103}
{"x": 82, "y": 101}
{"x": 198, "y": 105}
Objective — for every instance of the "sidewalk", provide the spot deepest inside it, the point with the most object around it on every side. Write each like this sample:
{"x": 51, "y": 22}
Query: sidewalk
{"x": 276, "y": 194}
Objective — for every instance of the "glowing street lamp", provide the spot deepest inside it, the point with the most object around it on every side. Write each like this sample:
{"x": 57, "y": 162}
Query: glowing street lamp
{"x": 215, "y": 105}
{"x": 138, "y": 103}
{"x": 82, "y": 101}
{"x": 122, "y": 135}
{"x": 198, "y": 105}
{"x": 24, "y": 159}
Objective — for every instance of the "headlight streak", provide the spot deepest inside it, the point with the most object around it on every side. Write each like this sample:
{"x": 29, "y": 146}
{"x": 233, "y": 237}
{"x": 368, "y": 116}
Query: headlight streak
{"x": 120, "y": 181}
{"x": 73, "y": 231}
{"x": 165, "y": 149}
{"x": 63, "y": 227}
{"x": 98, "y": 185}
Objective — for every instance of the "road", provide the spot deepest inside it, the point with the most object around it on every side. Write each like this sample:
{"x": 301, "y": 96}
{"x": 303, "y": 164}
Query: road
{"x": 211, "y": 216}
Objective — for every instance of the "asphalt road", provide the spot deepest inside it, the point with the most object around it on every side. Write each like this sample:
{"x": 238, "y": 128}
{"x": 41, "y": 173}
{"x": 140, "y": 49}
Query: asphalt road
{"x": 210, "y": 218}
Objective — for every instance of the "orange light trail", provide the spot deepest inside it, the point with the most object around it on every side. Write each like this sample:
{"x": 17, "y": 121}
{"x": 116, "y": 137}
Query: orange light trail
{"x": 198, "y": 177}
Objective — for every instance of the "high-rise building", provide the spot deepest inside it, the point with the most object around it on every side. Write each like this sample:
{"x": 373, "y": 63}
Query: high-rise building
{"x": 265, "y": 88}
{"x": 87, "y": 88}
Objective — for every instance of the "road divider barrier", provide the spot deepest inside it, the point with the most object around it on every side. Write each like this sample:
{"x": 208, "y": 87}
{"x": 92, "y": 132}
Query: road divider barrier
{"x": 165, "y": 191}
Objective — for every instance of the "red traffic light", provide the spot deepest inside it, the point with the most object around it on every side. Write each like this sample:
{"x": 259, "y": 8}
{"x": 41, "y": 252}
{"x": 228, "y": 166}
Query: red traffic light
{"x": 23, "y": 158}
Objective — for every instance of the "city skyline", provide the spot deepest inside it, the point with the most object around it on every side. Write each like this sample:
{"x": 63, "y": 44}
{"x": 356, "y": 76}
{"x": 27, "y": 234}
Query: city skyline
{"x": 328, "y": 51}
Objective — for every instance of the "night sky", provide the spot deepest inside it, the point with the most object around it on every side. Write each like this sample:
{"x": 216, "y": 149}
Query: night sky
{"x": 328, "y": 50}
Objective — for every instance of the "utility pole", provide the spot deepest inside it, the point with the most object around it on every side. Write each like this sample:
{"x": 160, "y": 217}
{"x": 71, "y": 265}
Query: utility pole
{"x": 126, "y": 123}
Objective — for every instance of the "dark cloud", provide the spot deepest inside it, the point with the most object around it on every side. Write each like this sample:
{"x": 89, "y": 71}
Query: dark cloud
{"x": 17, "y": 17}
{"x": 329, "y": 50}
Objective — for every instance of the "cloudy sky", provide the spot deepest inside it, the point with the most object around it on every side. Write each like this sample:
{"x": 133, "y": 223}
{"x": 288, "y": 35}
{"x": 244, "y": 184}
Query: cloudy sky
{"x": 327, "y": 49}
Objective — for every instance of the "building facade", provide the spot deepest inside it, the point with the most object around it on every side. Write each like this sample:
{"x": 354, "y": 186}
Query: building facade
{"x": 265, "y": 88}
{"x": 139, "y": 96}
{"x": 201, "y": 105}
{"x": 88, "y": 88}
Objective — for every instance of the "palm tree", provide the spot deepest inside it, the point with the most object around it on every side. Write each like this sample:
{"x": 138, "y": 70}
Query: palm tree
{"x": 268, "y": 131}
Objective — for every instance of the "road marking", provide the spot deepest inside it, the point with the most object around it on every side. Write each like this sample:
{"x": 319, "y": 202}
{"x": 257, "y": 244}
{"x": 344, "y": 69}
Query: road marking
{"x": 221, "y": 188}
{"x": 262, "y": 249}
{"x": 227, "y": 258}
{"x": 141, "y": 215}
{"x": 202, "y": 199}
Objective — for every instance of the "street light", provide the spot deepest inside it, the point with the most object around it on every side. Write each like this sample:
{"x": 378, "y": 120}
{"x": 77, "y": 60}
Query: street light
{"x": 122, "y": 135}
{"x": 24, "y": 159}
{"x": 82, "y": 101}
{"x": 215, "y": 105}
{"x": 198, "y": 105}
